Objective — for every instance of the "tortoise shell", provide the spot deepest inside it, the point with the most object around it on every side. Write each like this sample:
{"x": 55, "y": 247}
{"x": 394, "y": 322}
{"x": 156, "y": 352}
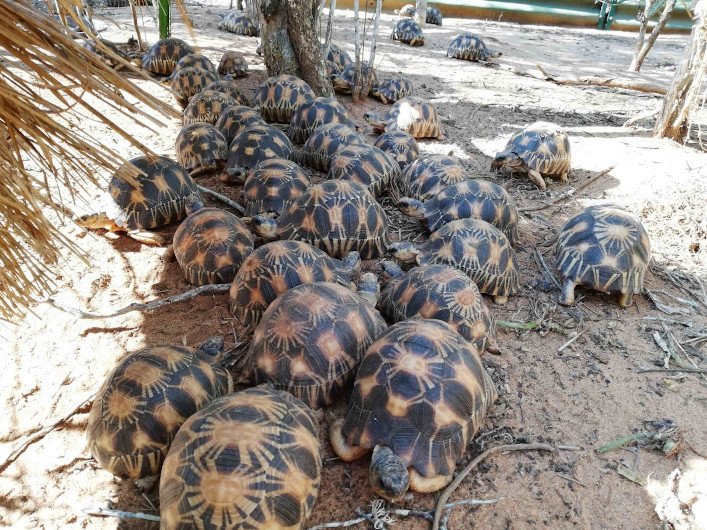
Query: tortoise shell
{"x": 408, "y": 31}
{"x": 605, "y": 248}
{"x": 365, "y": 165}
{"x": 143, "y": 402}
{"x": 314, "y": 114}
{"x": 228, "y": 87}
{"x": 281, "y": 265}
{"x": 429, "y": 175}
{"x": 279, "y": 97}
{"x": 411, "y": 114}
{"x": 310, "y": 340}
{"x": 206, "y": 107}
{"x": 210, "y": 245}
{"x": 324, "y": 142}
{"x": 407, "y": 11}
{"x": 421, "y": 390}
{"x": 542, "y": 147}
{"x": 236, "y": 118}
{"x": 200, "y": 148}
{"x": 473, "y": 199}
{"x": 339, "y": 56}
{"x": 338, "y": 216}
{"x": 237, "y": 22}
{"x": 234, "y": 64}
{"x": 163, "y": 55}
{"x": 391, "y": 90}
{"x": 442, "y": 293}
{"x": 196, "y": 60}
{"x": 344, "y": 80}
{"x": 433, "y": 16}
{"x": 163, "y": 193}
{"x": 247, "y": 460}
{"x": 478, "y": 249}
{"x": 272, "y": 185}
{"x": 189, "y": 81}
{"x": 399, "y": 145}
{"x": 251, "y": 146}
{"x": 469, "y": 47}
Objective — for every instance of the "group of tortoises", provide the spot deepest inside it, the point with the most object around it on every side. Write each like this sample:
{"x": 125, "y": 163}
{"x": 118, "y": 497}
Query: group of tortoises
{"x": 407, "y": 358}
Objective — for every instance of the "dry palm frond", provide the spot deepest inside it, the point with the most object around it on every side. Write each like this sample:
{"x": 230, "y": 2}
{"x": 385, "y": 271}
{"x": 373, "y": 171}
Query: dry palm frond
{"x": 48, "y": 84}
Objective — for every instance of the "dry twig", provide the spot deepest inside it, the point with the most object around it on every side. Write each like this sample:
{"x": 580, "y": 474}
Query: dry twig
{"x": 567, "y": 194}
{"x": 222, "y": 198}
{"x": 120, "y": 514}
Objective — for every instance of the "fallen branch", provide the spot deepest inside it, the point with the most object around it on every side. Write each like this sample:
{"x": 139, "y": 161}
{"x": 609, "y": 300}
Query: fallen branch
{"x": 34, "y": 438}
{"x": 641, "y": 116}
{"x": 222, "y": 198}
{"x": 567, "y": 194}
{"x": 216, "y": 288}
{"x": 673, "y": 370}
{"x": 665, "y": 308}
{"x": 441, "y": 503}
{"x": 103, "y": 512}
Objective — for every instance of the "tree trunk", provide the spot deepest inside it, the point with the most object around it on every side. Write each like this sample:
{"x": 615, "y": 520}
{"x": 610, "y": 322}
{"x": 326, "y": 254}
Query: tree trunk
{"x": 329, "y": 27}
{"x": 641, "y": 31}
{"x": 421, "y": 12}
{"x": 641, "y": 52}
{"x": 288, "y": 31}
{"x": 681, "y": 101}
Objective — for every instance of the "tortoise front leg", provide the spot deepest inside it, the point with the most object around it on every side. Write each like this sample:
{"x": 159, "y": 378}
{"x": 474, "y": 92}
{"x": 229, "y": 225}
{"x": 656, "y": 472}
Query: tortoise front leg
{"x": 97, "y": 221}
{"x": 427, "y": 485}
{"x": 567, "y": 297}
{"x": 626, "y": 299}
{"x": 346, "y": 452}
{"x": 145, "y": 237}
{"x": 537, "y": 179}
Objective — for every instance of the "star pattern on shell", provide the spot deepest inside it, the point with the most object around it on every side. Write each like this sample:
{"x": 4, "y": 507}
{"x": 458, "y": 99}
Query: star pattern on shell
{"x": 280, "y": 96}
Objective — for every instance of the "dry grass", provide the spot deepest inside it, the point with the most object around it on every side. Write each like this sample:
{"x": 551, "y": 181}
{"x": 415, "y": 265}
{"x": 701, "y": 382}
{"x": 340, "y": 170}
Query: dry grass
{"x": 47, "y": 83}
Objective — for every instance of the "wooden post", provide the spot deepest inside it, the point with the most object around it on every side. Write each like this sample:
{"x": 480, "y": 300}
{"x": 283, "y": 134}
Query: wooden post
{"x": 163, "y": 14}
{"x": 421, "y": 12}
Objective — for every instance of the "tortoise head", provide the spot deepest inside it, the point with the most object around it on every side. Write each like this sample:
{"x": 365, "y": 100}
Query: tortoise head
{"x": 404, "y": 251}
{"x": 388, "y": 474}
{"x": 417, "y": 41}
{"x": 368, "y": 288}
{"x": 506, "y": 159}
{"x": 213, "y": 346}
{"x": 494, "y": 54}
{"x": 412, "y": 208}
{"x": 193, "y": 204}
{"x": 339, "y": 82}
{"x": 352, "y": 263}
{"x": 390, "y": 270}
{"x": 233, "y": 174}
{"x": 264, "y": 226}
{"x": 375, "y": 120}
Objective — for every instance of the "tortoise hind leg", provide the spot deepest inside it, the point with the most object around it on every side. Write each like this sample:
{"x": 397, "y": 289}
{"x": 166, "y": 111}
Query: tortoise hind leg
{"x": 567, "y": 297}
{"x": 145, "y": 237}
{"x": 345, "y": 451}
{"x": 537, "y": 179}
{"x": 625, "y": 300}
{"x": 428, "y": 485}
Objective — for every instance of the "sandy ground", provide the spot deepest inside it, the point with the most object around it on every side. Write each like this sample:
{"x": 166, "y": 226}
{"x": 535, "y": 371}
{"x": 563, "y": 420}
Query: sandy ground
{"x": 583, "y": 395}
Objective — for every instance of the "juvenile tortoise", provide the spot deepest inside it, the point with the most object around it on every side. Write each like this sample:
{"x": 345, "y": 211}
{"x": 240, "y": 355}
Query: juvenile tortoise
{"x": 400, "y": 145}
{"x": 228, "y": 87}
{"x": 338, "y": 216}
{"x": 324, "y": 142}
{"x": 468, "y": 199}
{"x": 247, "y": 460}
{"x": 392, "y": 90}
{"x": 411, "y": 114}
{"x": 314, "y": 114}
{"x": 206, "y": 107}
{"x": 604, "y": 248}
{"x": 280, "y": 96}
{"x": 408, "y": 32}
{"x": 541, "y": 150}
{"x": 238, "y": 22}
{"x": 235, "y": 118}
{"x": 164, "y": 193}
{"x": 470, "y": 47}
{"x": 311, "y": 339}
{"x": 201, "y": 148}
{"x": 476, "y": 248}
{"x": 365, "y": 165}
{"x": 272, "y": 186}
{"x": 234, "y": 64}
{"x": 420, "y": 396}
{"x": 251, "y": 146}
{"x": 339, "y": 56}
{"x": 163, "y": 55}
{"x": 440, "y": 292}
{"x": 433, "y": 16}
{"x": 210, "y": 246}
{"x": 427, "y": 176}
{"x": 281, "y": 265}
{"x": 344, "y": 80}
{"x": 196, "y": 60}
{"x": 145, "y": 399}
{"x": 186, "y": 82}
